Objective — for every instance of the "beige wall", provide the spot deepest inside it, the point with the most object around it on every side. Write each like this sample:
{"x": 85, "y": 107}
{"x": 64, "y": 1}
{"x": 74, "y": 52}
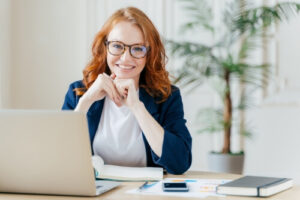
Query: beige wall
{"x": 49, "y": 51}
{"x": 5, "y": 52}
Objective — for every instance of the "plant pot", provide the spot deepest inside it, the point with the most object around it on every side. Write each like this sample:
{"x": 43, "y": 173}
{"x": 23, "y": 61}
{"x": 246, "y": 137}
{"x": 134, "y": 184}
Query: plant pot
{"x": 227, "y": 163}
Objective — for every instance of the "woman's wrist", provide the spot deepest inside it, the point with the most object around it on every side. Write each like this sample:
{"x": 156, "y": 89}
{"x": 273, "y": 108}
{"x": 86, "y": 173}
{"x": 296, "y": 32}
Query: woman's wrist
{"x": 84, "y": 104}
{"x": 137, "y": 108}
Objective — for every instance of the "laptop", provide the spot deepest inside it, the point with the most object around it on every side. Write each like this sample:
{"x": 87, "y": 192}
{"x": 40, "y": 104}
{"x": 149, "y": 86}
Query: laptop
{"x": 47, "y": 152}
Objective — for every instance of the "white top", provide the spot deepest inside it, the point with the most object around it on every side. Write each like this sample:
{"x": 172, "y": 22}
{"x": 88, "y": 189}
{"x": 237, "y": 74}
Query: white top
{"x": 119, "y": 140}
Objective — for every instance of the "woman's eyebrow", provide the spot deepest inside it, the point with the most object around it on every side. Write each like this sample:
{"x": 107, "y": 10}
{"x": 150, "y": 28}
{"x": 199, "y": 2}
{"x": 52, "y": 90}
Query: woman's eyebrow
{"x": 115, "y": 40}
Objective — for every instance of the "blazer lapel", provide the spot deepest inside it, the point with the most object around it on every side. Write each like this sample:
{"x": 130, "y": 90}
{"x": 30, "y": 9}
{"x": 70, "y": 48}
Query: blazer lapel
{"x": 149, "y": 102}
{"x": 93, "y": 116}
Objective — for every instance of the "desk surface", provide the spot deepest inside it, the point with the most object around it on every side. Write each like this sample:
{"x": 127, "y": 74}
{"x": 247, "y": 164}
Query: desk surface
{"x": 120, "y": 192}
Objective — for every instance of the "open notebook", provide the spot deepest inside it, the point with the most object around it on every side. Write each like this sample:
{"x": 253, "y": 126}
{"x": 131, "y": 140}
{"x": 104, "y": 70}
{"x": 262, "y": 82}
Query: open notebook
{"x": 122, "y": 173}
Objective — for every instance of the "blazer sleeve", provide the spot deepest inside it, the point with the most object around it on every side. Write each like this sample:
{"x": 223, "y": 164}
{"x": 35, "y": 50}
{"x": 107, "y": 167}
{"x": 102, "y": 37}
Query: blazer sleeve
{"x": 176, "y": 155}
{"x": 71, "y": 99}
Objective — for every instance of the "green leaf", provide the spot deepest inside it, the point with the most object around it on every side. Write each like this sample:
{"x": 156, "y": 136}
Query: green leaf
{"x": 210, "y": 120}
{"x": 200, "y": 13}
{"x": 253, "y": 19}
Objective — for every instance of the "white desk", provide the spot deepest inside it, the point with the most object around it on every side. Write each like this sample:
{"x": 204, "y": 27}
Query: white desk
{"x": 120, "y": 192}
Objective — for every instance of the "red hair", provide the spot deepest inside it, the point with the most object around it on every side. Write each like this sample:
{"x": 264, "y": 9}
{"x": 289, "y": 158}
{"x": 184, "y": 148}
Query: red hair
{"x": 154, "y": 77}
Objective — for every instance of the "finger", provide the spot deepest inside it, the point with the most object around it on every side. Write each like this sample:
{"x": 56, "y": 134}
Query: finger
{"x": 110, "y": 87}
{"x": 121, "y": 89}
{"x": 115, "y": 96}
{"x": 108, "y": 77}
{"x": 114, "y": 88}
{"x": 108, "y": 91}
{"x": 108, "y": 80}
{"x": 105, "y": 74}
{"x": 113, "y": 76}
{"x": 98, "y": 79}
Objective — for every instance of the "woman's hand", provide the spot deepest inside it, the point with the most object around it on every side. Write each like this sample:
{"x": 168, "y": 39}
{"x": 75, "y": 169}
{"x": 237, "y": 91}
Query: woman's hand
{"x": 102, "y": 86}
{"x": 128, "y": 92}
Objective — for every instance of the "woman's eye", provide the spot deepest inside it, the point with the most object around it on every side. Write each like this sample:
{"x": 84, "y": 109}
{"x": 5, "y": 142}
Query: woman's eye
{"x": 138, "y": 49}
{"x": 117, "y": 46}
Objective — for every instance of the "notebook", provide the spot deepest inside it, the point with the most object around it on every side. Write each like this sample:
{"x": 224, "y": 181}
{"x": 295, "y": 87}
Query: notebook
{"x": 122, "y": 173}
{"x": 255, "y": 186}
{"x": 47, "y": 152}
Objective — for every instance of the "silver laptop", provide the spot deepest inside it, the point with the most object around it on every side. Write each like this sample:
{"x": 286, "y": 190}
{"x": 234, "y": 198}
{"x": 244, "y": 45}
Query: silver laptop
{"x": 47, "y": 152}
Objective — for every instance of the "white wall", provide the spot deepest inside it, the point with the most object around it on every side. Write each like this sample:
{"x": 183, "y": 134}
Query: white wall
{"x": 274, "y": 149}
{"x": 51, "y": 42}
{"x": 288, "y": 52}
{"x": 5, "y": 52}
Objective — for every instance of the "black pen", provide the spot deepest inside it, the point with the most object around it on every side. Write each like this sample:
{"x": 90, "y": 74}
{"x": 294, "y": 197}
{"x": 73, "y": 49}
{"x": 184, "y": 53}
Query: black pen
{"x": 143, "y": 186}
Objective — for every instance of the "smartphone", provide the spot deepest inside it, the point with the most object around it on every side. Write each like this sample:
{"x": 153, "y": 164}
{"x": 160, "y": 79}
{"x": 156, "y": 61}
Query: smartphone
{"x": 175, "y": 187}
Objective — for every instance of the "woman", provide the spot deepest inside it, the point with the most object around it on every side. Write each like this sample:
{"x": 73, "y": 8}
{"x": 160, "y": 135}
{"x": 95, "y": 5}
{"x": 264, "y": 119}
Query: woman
{"x": 135, "y": 116}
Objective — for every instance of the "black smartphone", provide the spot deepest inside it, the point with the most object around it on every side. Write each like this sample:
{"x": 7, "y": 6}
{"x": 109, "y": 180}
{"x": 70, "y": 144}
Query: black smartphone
{"x": 175, "y": 187}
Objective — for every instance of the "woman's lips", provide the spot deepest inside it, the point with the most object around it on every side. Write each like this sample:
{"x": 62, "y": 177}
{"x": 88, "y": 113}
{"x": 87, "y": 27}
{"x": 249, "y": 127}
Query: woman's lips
{"x": 125, "y": 67}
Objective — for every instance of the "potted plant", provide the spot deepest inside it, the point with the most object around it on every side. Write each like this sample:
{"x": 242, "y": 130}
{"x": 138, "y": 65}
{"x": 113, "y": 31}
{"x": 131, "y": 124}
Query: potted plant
{"x": 227, "y": 61}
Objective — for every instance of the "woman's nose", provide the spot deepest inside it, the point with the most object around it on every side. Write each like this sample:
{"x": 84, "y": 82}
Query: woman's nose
{"x": 126, "y": 55}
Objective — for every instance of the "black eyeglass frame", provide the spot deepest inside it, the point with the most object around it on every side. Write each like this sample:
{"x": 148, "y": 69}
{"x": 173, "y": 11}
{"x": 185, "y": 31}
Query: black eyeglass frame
{"x": 126, "y": 45}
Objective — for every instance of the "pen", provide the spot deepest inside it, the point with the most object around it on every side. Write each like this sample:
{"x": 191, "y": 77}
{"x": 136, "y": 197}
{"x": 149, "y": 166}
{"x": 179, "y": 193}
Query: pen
{"x": 143, "y": 186}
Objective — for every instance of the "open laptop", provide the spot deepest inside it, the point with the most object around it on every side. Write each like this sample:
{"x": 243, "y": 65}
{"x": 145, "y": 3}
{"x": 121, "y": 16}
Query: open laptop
{"x": 47, "y": 152}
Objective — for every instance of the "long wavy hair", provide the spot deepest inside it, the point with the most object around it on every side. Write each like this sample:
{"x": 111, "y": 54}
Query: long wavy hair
{"x": 154, "y": 77}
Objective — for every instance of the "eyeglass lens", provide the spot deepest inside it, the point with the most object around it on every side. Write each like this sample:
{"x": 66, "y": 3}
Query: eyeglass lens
{"x": 118, "y": 48}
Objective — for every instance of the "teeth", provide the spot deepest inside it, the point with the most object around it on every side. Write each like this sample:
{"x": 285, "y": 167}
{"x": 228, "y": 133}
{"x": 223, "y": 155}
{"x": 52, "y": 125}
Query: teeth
{"x": 126, "y": 67}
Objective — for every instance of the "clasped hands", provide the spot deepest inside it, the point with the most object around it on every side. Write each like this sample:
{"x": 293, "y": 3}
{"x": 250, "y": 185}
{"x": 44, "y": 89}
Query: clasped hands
{"x": 121, "y": 91}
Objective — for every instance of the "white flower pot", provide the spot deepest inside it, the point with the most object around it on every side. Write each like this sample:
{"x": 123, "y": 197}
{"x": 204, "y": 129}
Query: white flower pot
{"x": 226, "y": 163}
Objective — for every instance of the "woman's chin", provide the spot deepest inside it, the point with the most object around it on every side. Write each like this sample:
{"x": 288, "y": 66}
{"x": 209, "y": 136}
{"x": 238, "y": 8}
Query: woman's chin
{"x": 118, "y": 75}
{"x": 123, "y": 76}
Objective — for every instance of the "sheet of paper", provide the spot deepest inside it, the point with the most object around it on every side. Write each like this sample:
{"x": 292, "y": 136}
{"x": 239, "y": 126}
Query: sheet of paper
{"x": 198, "y": 188}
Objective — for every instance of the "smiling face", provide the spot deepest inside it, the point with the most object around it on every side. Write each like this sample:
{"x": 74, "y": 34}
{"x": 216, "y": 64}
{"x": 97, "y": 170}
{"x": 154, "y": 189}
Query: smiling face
{"x": 125, "y": 66}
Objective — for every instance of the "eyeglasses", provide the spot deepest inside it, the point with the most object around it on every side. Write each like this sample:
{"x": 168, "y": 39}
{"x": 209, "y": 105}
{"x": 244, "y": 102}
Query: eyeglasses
{"x": 117, "y": 48}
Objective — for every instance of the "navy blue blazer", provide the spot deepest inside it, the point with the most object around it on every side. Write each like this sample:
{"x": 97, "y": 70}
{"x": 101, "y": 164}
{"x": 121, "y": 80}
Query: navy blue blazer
{"x": 176, "y": 154}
